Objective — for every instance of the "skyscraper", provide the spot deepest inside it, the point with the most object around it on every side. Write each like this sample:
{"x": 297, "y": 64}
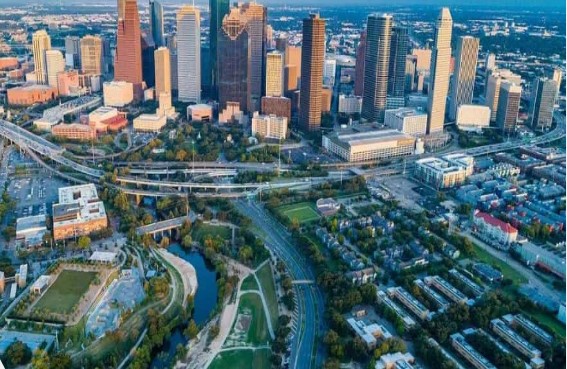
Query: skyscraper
{"x": 233, "y": 61}
{"x": 162, "y": 64}
{"x": 312, "y": 58}
{"x": 73, "y": 52}
{"x": 462, "y": 88}
{"x": 557, "y": 77}
{"x": 156, "y": 22}
{"x": 397, "y": 70}
{"x": 508, "y": 106}
{"x": 91, "y": 55}
{"x": 490, "y": 62}
{"x": 128, "y": 62}
{"x": 189, "y": 54}
{"x": 121, "y": 5}
{"x": 41, "y": 42}
{"x": 274, "y": 74}
{"x": 359, "y": 67}
{"x": 440, "y": 65}
{"x": 376, "y": 66}
{"x": 218, "y": 9}
{"x": 55, "y": 63}
{"x": 148, "y": 66}
{"x": 493, "y": 88}
{"x": 256, "y": 22}
{"x": 541, "y": 103}
{"x": 411, "y": 68}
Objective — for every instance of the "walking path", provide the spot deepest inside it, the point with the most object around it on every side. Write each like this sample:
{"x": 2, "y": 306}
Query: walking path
{"x": 185, "y": 270}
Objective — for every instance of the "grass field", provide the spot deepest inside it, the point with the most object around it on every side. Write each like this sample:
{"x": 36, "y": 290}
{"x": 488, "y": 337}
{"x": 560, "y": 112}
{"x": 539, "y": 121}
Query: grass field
{"x": 303, "y": 211}
{"x": 268, "y": 287}
{"x": 258, "y": 331}
{"x": 547, "y": 320}
{"x": 249, "y": 284}
{"x": 506, "y": 270}
{"x": 242, "y": 359}
{"x": 66, "y": 291}
{"x": 203, "y": 230}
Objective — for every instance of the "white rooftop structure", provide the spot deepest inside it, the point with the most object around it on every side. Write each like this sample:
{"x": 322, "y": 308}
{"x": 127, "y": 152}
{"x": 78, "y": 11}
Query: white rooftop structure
{"x": 395, "y": 360}
{"x": 40, "y": 283}
{"x": 103, "y": 256}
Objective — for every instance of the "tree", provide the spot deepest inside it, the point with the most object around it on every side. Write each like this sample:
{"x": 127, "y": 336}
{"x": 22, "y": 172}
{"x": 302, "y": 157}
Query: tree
{"x": 192, "y": 330}
{"x": 187, "y": 241}
{"x": 84, "y": 242}
{"x": 245, "y": 254}
{"x": 40, "y": 360}
{"x": 60, "y": 360}
{"x": 16, "y": 354}
{"x": 121, "y": 201}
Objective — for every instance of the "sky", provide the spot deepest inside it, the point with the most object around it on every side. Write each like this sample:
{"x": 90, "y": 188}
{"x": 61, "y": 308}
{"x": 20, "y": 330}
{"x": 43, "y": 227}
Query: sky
{"x": 322, "y": 3}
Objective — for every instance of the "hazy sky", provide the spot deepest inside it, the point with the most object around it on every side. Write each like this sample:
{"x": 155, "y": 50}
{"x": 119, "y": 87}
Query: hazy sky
{"x": 323, "y": 3}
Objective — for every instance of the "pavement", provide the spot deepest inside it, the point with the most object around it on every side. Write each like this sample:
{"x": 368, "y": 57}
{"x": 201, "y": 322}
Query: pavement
{"x": 310, "y": 303}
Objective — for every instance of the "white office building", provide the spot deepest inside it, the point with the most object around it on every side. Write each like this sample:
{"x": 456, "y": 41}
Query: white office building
{"x": 473, "y": 117}
{"x": 269, "y": 126}
{"x": 350, "y": 104}
{"x": 407, "y": 120}
{"x": 189, "y": 54}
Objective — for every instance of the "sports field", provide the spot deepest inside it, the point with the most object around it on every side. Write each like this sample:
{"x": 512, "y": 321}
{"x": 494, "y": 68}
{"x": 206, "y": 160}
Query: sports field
{"x": 66, "y": 291}
{"x": 242, "y": 359}
{"x": 303, "y": 211}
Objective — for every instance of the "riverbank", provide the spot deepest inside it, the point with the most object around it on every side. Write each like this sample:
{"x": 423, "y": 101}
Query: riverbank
{"x": 185, "y": 270}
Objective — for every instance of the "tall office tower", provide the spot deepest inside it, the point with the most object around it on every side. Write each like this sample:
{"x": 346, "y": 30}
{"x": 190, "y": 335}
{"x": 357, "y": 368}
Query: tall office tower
{"x": 462, "y": 88}
{"x": 312, "y": 58}
{"x": 557, "y": 76}
{"x": 233, "y": 61}
{"x": 359, "y": 67}
{"x": 397, "y": 70}
{"x": 73, "y": 52}
{"x": 174, "y": 79}
{"x": 156, "y": 22}
{"x": 162, "y": 62}
{"x": 508, "y": 106}
{"x": 91, "y": 55}
{"x": 490, "y": 62}
{"x": 128, "y": 59}
{"x": 329, "y": 71}
{"x": 281, "y": 44}
{"x": 376, "y": 66}
{"x": 106, "y": 55}
{"x": 411, "y": 68}
{"x": 439, "y": 80}
{"x": 256, "y": 20}
{"x": 270, "y": 43}
{"x": 55, "y": 63}
{"x": 293, "y": 57}
{"x": 148, "y": 66}
{"x": 41, "y": 42}
{"x": 218, "y": 9}
{"x": 274, "y": 74}
{"x": 189, "y": 54}
{"x": 541, "y": 103}
{"x": 423, "y": 59}
{"x": 493, "y": 88}
{"x": 121, "y": 7}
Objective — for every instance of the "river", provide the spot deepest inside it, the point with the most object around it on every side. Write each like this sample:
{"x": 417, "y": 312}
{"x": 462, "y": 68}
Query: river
{"x": 204, "y": 302}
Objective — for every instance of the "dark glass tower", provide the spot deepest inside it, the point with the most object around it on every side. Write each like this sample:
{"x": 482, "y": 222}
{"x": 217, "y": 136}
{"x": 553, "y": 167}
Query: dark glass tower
{"x": 156, "y": 23}
{"x": 398, "y": 52}
{"x": 218, "y": 9}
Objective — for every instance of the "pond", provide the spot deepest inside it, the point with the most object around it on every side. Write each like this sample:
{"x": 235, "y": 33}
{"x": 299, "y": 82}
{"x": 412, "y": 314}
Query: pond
{"x": 204, "y": 302}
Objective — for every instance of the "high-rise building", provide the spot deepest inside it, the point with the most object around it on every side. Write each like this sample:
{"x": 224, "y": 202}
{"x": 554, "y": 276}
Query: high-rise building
{"x": 312, "y": 59}
{"x": 329, "y": 71}
{"x": 423, "y": 59}
{"x": 73, "y": 52}
{"x": 376, "y": 66}
{"x": 162, "y": 63}
{"x": 557, "y": 76}
{"x": 281, "y": 44}
{"x": 508, "y": 106}
{"x": 218, "y": 9}
{"x": 411, "y": 69}
{"x": 490, "y": 62}
{"x": 293, "y": 57}
{"x": 121, "y": 6}
{"x": 397, "y": 70}
{"x": 465, "y": 71}
{"x": 359, "y": 68}
{"x": 256, "y": 21}
{"x": 189, "y": 54}
{"x": 128, "y": 62}
{"x": 232, "y": 56}
{"x": 440, "y": 64}
{"x": 41, "y": 42}
{"x": 493, "y": 88}
{"x": 270, "y": 43}
{"x": 107, "y": 65}
{"x": 91, "y": 55}
{"x": 148, "y": 66}
{"x": 274, "y": 74}
{"x": 55, "y": 63}
{"x": 292, "y": 67}
{"x": 156, "y": 22}
{"x": 541, "y": 103}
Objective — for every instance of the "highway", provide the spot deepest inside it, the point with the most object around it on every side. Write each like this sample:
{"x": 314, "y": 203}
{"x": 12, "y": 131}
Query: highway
{"x": 305, "y": 353}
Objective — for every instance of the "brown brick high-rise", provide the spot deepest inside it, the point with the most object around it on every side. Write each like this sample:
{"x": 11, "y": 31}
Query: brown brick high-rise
{"x": 128, "y": 63}
{"x": 312, "y": 59}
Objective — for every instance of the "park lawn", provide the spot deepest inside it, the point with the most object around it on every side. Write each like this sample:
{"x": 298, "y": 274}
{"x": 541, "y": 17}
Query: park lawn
{"x": 266, "y": 278}
{"x": 201, "y": 231}
{"x": 249, "y": 284}
{"x": 242, "y": 359}
{"x": 66, "y": 291}
{"x": 506, "y": 269}
{"x": 547, "y": 320}
{"x": 257, "y": 333}
{"x": 304, "y": 212}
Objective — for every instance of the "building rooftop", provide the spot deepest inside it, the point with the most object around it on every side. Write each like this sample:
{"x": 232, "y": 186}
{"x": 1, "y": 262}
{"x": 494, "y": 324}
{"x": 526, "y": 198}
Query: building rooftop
{"x": 495, "y": 222}
{"x": 365, "y": 135}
